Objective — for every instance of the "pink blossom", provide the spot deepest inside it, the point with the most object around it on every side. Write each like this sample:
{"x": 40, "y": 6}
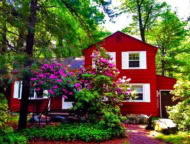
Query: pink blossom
{"x": 51, "y": 91}
{"x": 46, "y": 65}
{"x": 52, "y": 76}
{"x": 64, "y": 90}
{"x": 42, "y": 75}
{"x": 41, "y": 82}
{"x": 77, "y": 85}
{"x": 37, "y": 89}
{"x": 55, "y": 86}
{"x": 33, "y": 79}
{"x": 111, "y": 65}
{"x": 70, "y": 93}
{"x": 64, "y": 96}
{"x": 59, "y": 80}
{"x": 70, "y": 73}
{"x": 59, "y": 64}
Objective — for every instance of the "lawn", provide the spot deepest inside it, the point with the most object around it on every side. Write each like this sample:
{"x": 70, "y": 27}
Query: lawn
{"x": 178, "y": 138}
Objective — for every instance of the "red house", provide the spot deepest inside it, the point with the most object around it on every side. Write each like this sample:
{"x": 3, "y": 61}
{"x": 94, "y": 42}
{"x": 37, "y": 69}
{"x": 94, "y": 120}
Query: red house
{"x": 136, "y": 60}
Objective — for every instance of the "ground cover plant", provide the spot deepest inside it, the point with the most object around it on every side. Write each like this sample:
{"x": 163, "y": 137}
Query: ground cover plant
{"x": 87, "y": 132}
{"x": 7, "y": 133}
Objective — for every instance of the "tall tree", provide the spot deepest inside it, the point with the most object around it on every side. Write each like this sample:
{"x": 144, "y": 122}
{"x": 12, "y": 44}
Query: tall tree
{"x": 168, "y": 34}
{"x": 144, "y": 13}
{"x": 60, "y": 28}
{"x": 29, "y": 51}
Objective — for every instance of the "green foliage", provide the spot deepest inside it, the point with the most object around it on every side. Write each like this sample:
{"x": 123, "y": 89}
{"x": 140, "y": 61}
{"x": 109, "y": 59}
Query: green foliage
{"x": 180, "y": 113}
{"x": 179, "y": 138}
{"x": 144, "y": 13}
{"x": 100, "y": 98}
{"x": 87, "y": 132}
{"x": 7, "y": 134}
{"x": 3, "y": 111}
{"x": 167, "y": 34}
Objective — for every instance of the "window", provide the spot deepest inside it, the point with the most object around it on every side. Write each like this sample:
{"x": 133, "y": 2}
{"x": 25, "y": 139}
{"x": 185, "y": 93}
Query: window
{"x": 139, "y": 90}
{"x": 143, "y": 93}
{"x": 32, "y": 93}
{"x": 134, "y": 60}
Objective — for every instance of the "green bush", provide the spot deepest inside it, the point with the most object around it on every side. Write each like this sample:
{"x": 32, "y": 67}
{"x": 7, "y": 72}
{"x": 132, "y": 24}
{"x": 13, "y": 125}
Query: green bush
{"x": 180, "y": 113}
{"x": 7, "y": 134}
{"x": 87, "y": 132}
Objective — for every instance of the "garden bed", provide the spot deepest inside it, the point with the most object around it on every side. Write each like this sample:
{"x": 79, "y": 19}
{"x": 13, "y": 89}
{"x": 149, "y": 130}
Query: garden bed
{"x": 86, "y": 132}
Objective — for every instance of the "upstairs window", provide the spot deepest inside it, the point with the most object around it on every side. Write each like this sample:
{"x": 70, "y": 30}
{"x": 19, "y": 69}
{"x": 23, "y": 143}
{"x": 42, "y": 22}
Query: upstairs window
{"x": 134, "y": 60}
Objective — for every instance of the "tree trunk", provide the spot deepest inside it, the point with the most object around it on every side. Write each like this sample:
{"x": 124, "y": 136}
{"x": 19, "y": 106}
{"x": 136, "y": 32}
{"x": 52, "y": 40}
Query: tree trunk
{"x": 26, "y": 82}
{"x": 163, "y": 61}
{"x": 141, "y": 28}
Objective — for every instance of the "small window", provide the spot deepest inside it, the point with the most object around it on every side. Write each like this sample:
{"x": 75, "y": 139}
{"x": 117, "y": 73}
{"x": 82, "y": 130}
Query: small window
{"x": 134, "y": 60}
{"x": 139, "y": 90}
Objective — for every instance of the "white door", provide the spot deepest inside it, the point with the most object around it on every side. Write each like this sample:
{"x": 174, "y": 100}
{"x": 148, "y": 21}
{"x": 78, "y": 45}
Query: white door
{"x": 66, "y": 104}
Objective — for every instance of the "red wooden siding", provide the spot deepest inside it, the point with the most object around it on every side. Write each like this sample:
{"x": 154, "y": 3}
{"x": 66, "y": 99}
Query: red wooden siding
{"x": 165, "y": 83}
{"x": 39, "y": 105}
{"x": 119, "y": 43}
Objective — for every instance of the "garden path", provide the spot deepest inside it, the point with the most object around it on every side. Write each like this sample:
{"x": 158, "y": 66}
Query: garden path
{"x": 137, "y": 134}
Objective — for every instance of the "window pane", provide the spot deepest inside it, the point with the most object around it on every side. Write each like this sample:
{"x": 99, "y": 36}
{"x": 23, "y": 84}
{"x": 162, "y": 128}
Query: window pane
{"x": 31, "y": 94}
{"x": 134, "y": 56}
{"x": 139, "y": 96}
{"x": 138, "y": 88}
{"x": 133, "y": 63}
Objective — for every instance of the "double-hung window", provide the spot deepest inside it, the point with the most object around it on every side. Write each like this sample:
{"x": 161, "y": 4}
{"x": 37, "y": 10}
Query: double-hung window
{"x": 142, "y": 93}
{"x": 134, "y": 60}
{"x": 139, "y": 92}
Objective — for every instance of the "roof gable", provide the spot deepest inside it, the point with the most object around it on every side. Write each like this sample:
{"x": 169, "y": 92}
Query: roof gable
{"x": 120, "y": 35}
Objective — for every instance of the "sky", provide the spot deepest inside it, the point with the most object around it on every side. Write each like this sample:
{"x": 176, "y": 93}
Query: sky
{"x": 182, "y": 6}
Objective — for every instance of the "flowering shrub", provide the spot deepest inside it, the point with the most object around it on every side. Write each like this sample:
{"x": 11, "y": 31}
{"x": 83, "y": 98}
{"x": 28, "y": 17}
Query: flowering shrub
{"x": 56, "y": 79}
{"x": 102, "y": 93}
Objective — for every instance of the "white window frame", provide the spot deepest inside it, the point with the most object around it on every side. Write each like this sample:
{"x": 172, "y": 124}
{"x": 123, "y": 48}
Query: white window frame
{"x": 146, "y": 92}
{"x": 16, "y": 91}
{"x": 142, "y": 60}
{"x": 134, "y": 60}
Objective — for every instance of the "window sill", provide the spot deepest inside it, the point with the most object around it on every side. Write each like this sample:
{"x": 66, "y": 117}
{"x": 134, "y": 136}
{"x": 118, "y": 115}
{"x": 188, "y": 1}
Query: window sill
{"x": 141, "y": 101}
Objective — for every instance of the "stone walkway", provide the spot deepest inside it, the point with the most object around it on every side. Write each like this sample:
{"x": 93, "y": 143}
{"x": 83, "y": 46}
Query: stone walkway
{"x": 137, "y": 134}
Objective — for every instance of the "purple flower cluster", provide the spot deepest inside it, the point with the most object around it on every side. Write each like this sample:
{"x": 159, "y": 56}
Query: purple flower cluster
{"x": 55, "y": 78}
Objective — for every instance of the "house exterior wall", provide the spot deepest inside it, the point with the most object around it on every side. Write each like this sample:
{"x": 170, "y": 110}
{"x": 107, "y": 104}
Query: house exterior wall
{"x": 119, "y": 43}
{"x": 39, "y": 105}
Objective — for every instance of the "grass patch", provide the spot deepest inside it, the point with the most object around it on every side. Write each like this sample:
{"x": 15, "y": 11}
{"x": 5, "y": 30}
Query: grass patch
{"x": 155, "y": 118}
{"x": 178, "y": 138}
{"x": 74, "y": 132}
